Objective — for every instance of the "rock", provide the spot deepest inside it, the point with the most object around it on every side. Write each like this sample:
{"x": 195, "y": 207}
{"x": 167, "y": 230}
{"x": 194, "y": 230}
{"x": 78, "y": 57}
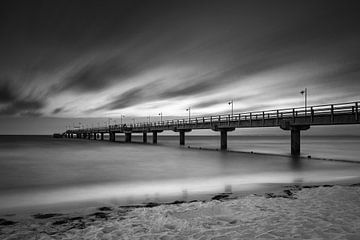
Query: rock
{"x": 151, "y": 204}
{"x": 4, "y": 222}
{"x": 105, "y": 209}
{"x": 220, "y": 196}
{"x": 46, "y": 215}
{"x": 99, "y": 215}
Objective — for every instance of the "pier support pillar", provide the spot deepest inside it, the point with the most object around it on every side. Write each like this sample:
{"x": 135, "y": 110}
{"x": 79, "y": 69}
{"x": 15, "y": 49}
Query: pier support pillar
{"x": 182, "y": 137}
{"x": 144, "y": 137}
{"x": 223, "y": 140}
{"x": 128, "y": 137}
{"x": 223, "y": 135}
{"x": 72, "y": 135}
{"x": 295, "y": 142}
{"x": 154, "y": 137}
{"x": 102, "y": 136}
{"x": 84, "y": 135}
{"x": 295, "y": 135}
{"x": 89, "y": 136}
{"x": 95, "y": 134}
{"x": 112, "y": 136}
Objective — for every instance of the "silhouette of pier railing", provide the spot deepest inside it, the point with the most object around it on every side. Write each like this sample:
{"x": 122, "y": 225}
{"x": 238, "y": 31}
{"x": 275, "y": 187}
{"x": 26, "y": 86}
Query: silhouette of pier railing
{"x": 292, "y": 119}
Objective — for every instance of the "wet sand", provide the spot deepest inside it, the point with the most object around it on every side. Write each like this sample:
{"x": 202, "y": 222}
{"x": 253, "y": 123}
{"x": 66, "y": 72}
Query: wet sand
{"x": 293, "y": 212}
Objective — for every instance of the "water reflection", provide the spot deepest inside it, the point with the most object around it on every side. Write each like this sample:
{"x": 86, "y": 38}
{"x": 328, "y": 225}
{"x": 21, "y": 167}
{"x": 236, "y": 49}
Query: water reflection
{"x": 295, "y": 163}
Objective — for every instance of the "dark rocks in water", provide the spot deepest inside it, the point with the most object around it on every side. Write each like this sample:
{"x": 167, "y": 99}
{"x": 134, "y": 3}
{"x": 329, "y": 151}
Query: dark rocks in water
{"x": 61, "y": 222}
{"x": 4, "y": 222}
{"x": 99, "y": 215}
{"x": 316, "y": 186}
{"x": 177, "y": 202}
{"x": 288, "y": 194}
{"x": 76, "y": 218}
{"x": 46, "y": 215}
{"x": 311, "y": 186}
{"x": 220, "y": 196}
{"x": 151, "y": 204}
{"x": 355, "y": 185}
{"x": 105, "y": 209}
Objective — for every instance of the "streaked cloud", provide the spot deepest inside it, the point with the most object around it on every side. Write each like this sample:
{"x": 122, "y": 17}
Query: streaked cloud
{"x": 84, "y": 59}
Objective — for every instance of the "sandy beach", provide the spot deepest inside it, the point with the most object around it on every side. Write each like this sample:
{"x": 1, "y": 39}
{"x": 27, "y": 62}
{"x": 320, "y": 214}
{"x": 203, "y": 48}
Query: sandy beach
{"x": 294, "y": 212}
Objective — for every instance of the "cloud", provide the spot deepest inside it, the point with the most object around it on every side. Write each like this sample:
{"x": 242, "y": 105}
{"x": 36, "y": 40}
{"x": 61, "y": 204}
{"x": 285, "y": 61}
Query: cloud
{"x": 57, "y": 110}
{"x": 7, "y": 93}
{"x": 95, "y": 75}
{"x": 23, "y": 107}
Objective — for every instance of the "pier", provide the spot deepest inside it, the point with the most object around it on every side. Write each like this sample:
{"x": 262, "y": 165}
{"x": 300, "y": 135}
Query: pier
{"x": 293, "y": 120}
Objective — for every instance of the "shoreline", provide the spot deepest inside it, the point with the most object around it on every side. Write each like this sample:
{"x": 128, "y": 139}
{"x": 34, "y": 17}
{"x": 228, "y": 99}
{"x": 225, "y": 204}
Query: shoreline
{"x": 224, "y": 215}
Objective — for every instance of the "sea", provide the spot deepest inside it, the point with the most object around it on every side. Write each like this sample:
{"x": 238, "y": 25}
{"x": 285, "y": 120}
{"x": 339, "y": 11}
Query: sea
{"x": 39, "y": 172}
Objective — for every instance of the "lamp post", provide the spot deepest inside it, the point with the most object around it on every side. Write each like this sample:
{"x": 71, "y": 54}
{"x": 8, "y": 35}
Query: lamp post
{"x": 148, "y": 118}
{"x": 109, "y": 122}
{"x": 133, "y": 121}
{"x": 121, "y": 118}
{"x": 304, "y": 93}
{"x": 232, "y": 107}
{"x": 189, "y": 109}
{"x": 160, "y": 114}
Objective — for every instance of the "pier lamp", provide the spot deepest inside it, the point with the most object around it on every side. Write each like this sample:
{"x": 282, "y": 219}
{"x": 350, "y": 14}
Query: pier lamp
{"x": 304, "y": 93}
{"x": 188, "y": 109}
{"x": 133, "y": 121}
{"x": 121, "y": 118}
{"x": 148, "y": 119}
{"x": 232, "y": 107}
{"x": 160, "y": 114}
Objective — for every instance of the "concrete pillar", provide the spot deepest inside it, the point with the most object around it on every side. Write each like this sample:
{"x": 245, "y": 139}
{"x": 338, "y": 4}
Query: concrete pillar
{"x": 223, "y": 135}
{"x": 89, "y": 136}
{"x": 223, "y": 140}
{"x": 112, "y": 136}
{"x": 295, "y": 135}
{"x": 144, "y": 137}
{"x": 84, "y": 135}
{"x": 71, "y": 135}
{"x": 182, "y": 137}
{"x": 295, "y": 142}
{"x": 128, "y": 137}
{"x": 95, "y": 134}
{"x": 102, "y": 136}
{"x": 154, "y": 137}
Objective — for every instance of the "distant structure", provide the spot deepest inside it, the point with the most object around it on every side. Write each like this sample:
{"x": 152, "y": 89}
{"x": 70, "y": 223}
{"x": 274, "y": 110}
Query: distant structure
{"x": 294, "y": 120}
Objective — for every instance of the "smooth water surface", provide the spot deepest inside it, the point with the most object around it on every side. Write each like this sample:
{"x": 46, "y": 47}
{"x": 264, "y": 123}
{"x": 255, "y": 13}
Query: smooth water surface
{"x": 40, "y": 170}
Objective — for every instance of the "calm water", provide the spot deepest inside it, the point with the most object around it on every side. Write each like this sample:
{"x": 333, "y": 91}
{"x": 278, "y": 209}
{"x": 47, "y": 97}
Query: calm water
{"x": 40, "y": 170}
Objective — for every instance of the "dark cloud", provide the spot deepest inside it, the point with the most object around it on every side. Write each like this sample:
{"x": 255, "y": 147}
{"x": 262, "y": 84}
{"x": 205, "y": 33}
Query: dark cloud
{"x": 7, "y": 93}
{"x": 23, "y": 107}
{"x": 57, "y": 110}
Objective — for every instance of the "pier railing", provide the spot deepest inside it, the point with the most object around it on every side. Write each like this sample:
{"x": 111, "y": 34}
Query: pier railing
{"x": 308, "y": 113}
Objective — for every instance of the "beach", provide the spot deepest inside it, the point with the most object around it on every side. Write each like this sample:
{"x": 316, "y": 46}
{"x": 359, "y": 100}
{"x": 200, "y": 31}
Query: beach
{"x": 293, "y": 212}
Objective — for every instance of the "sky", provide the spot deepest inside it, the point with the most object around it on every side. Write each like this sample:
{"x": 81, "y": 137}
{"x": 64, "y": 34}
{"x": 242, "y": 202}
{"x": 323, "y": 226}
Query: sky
{"x": 66, "y": 63}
